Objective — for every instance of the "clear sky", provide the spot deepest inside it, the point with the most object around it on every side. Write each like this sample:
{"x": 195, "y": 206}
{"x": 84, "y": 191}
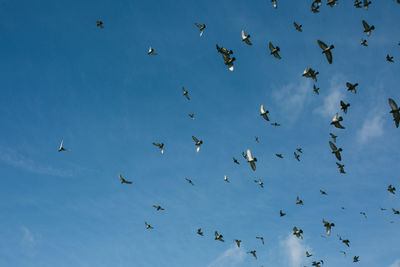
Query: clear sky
{"x": 98, "y": 90}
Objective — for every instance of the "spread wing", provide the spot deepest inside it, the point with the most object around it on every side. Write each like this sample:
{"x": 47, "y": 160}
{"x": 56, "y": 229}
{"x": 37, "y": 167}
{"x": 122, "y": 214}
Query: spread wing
{"x": 156, "y": 144}
{"x": 332, "y": 145}
{"x": 329, "y": 56}
{"x": 393, "y": 104}
{"x": 322, "y": 45}
{"x": 249, "y": 155}
{"x": 243, "y": 34}
{"x": 365, "y": 24}
{"x": 198, "y": 25}
{"x": 277, "y": 55}
{"x": 271, "y": 46}
{"x": 195, "y": 139}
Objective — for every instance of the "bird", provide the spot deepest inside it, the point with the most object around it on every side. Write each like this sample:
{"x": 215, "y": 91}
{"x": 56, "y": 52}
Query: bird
{"x": 275, "y": 124}
{"x": 199, "y": 232}
{"x": 218, "y": 237}
{"x": 256, "y": 138}
{"x": 364, "y": 42}
{"x": 274, "y": 50}
{"x": 395, "y": 112}
{"x": 236, "y": 161}
{"x": 308, "y": 254}
{"x": 158, "y": 207}
{"x": 274, "y": 3}
{"x": 299, "y": 149}
{"x": 328, "y": 226}
{"x": 391, "y": 189}
{"x": 310, "y": 73}
{"x": 123, "y": 180}
{"x": 148, "y": 226}
{"x": 238, "y": 242}
{"x": 201, "y": 28}
{"x": 336, "y": 150}
{"x": 356, "y": 259}
{"x": 185, "y": 93}
{"x": 160, "y": 145}
{"x": 357, "y": 3}
{"x": 296, "y": 156}
{"x": 331, "y": 3}
{"x": 261, "y": 238}
{"x": 259, "y": 182}
{"x": 253, "y": 252}
{"x": 226, "y": 179}
{"x": 251, "y": 160}
{"x": 281, "y": 213}
{"x": 229, "y": 62}
{"x": 246, "y": 38}
{"x": 316, "y": 89}
{"x": 366, "y": 4}
{"x": 297, "y": 232}
{"x": 336, "y": 121}
{"x": 344, "y": 252}
{"x": 224, "y": 51}
{"x": 389, "y": 58}
{"x": 264, "y": 113}
{"x": 191, "y": 116}
{"x": 244, "y": 155}
{"x": 326, "y": 50}
{"x": 333, "y": 137}
{"x": 299, "y": 201}
{"x": 344, "y": 106}
{"x": 352, "y": 87}
{"x": 197, "y": 143}
{"x": 323, "y": 192}
{"x": 316, "y": 263}
{"x": 189, "y": 181}
{"x": 151, "y": 52}
{"x": 279, "y": 156}
{"x": 383, "y": 209}
{"x": 315, "y": 6}
{"x": 99, "y": 24}
{"x": 368, "y": 29}
{"x": 341, "y": 167}
{"x": 363, "y": 213}
{"x": 298, "y": 27}
{"x": 61, "y": 148}
{"x": 396, "y": 212}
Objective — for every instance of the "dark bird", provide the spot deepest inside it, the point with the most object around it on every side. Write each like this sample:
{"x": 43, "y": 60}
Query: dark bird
{"x": 218, "y": 237}
{"x": 238, "y": 242}
{"x": 341, "y": 167}
{"x": 261, "y": 238}
{"x": 368, "y": 29}
{"x": 391, "y": 189}
{"x": 357, "y": 4}
{"x": 316, "y": 263}
{"x": 256, "y": 138}
{"x": 366, "y": 4}
{"x": 197, "y": 143}
{"x": 344, "y": 252}
{"x": 185, "y": 93}
{"x": 246, "y": 38}
{"x": 160, "y": 146}
{"x": 123, "y": 181}
{"x": 396, "y": 212}
{"x": 336, "y": 151}
{"x": 296, "y": 156}
{"x": 315, "y": 6}
{"x": 148, "y": 226}
{"x": 355, "y": 259}
{"x": 299, "y": 149}
{"x": 308, "y": 254}
{"x": 251, "y": 160}
{"x": 336, "y": 121}
{"x": 345, "y": 241}
{"x": 226, "y": 179}
{"x": 326, "y": 50}
{"x": 275, "y": 124}
{"x": 395, "y": 112}
{"x": 244, "y": 155}
{"x": 274, "y": 50}
{"x": 328, "y": 226}
{"x": 253, "y": 252}
{"x": 299, "y": 201}
{"x": 199, "y": 232}
{"x": 331, "y": 3}
{"x": 364, "y": 214}
{"x": 297, "y": 232}
{"x": 298, "y": 27}
{"x": 281, "y": 214}
{"x": 189, "y": 181}
{"x": 333, "y": 137}
{"x": 344, "y": 106}
{"x": 151, "y": 52}
{"x": 236, "y": 161}
{"x": 352, "y": 87}
{"x": 259, "y": 182}
{"x": 158, "y": 207}
{"x": 274, "y": 2}
{"x": 264, "y": 113}
{"x": 310, "y": 73}
{"x": 279, "y": 156}
{"x": 323, "y": 192}
{"x": 61, "y": 147}
{"x": 191, "y": 116}
{"x": 316, "y": 89}
{"x": 389, "y": 58}
{"x": 364, "y": 42}
{"x": 99, "y": 24}
{"x": 201, "y": 28}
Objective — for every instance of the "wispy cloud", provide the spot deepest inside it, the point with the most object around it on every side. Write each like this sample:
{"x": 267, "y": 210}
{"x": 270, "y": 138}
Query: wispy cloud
{"x": 295, "y": 249}
{"x": 16, "y": 159}
{"x": 395, "y": 264}
{"x": 372, "y": 127}
{"x": 28, "y": 240}
{"x": 229, "y": 258}
{"x": 331, "y": 102}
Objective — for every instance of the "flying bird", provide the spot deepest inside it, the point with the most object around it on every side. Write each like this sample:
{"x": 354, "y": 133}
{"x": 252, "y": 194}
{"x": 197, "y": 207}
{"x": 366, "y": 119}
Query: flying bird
{"x": 298, "y": 27}
{"x": 251, "y": 160}
{"x": 151, "y": 52}
{"x": 274, "y": 2}
{"x": 197, "y": 143}
{"x": 275, "y": 124}
{"x": 261, "y": 238}
{"x": 352, "y": 87}
{"x": 331, "y": 3}
{"x": 328, "y": 226}
{"x": 218, "y": 237}
{"x": 160, "y": 146}
{"x": 395, "y": 112}
{"x": 396, "y": 212}
{"x": 185, "y": 93}
{"x": 158, "y": 207}
{"x": 363, "y": 213}
{"x": 148, "y": 226}
{"x": 335, "y": 150}
{"x": 299, "y": 201}
{"x": 323, "y": 192}
{"x": 299, "y": 149}
{"x": 364, "y": 42}
{"x": 189, "y": 181}
{"x": 253, "y": 252}
{"x": 366, "y": 4}
{"x": 296, "y": 156}
{"x": 256, "y": 138}
{"x": 316, "y": 89}
{"x": 326, "y": 50}
{"x": 308, "y": 254}
{"x": 274, "y": 50}
{"x": 336, "y": 121}
{"x": 99, "y": 24}
{"x": 391, "y": 189}
{"x": 123, "y": 180}
{"x": 344, "y": 106}
{"x": 297, "y": 232}
{"x": 357, "y": 4}
{"x": 333, "y": 137}
{"x": 310, "y": 73}
{"x": 244, "y": 155}
{"x": 368, "y": 29}
{"x": 61, "y": 148}
{"x": 315, "y": 6}
{"x": 246, "y": 38}
{"x": 199, "y": 232}
{"x": 259, "y": 182}
{"x": 238, "y": 242}
{"x": 356, "y": 259}
{"x": 201, "y": 28}
{"x": 281, "y": 213}
{"x": 191, "y": 116}
{"x": 389, "y": 58}
{"x": 341, "y": 167}
{"x": 236, "y": 161}
{"x": 226, "y": 179}
{"x": 264, "y": 113}
{"x": 279, "y": 156}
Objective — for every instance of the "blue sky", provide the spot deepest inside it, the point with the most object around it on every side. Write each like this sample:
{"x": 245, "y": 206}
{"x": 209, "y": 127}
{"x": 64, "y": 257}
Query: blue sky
{"x": 99, "y": 91}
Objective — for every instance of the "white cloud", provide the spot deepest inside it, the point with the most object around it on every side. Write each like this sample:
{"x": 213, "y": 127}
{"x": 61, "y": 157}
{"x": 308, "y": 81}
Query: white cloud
{"x": 372, "y": 127}
{"x": 395, "y": 264}
{"x": 295, "y": 249}
{"x": 331, "y": 102}
{"x": 27, "y": 239}
{"x": 229, "y": 258}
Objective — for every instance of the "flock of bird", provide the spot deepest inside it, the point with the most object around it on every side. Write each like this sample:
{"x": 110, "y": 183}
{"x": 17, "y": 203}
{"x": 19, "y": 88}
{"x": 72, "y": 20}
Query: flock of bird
{"x": 337, "y": 120}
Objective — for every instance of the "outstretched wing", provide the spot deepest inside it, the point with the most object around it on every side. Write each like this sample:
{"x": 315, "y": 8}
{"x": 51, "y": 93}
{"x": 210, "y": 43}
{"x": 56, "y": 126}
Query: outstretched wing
{"x": 322, "y": 45}
{"x": 198, "y": 25}
{"x": 271, "y": 46}
{"x": 249, "y": 155}
{"x": 393, "y": 104}
{"x": 332, "y": 145}
{"x": 365, "y": 24}
{"x": 195, "y": 139}
{"x": 329, "y": 56}
{"x": 243, "y": 34}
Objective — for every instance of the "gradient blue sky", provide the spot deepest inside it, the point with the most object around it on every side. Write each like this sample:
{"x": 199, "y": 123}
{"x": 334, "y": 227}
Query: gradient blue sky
{"x": 64, "y": 78}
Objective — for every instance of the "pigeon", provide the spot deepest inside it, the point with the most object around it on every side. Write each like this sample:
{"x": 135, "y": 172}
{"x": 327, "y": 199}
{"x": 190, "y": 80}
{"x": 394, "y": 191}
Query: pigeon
{"x": 236, "y": 161}
{"x": 185, "y": 93}
{"x": 328, "y": 226}
{"x": 368, "y": 29}
{"x": 296, "y": 156}
{"x": 253, "y": 252}
{"x": 395, "y": 112}
{"x": 261, "y": 238}
{"x": 344, "y": 252}
{"x": 357, "y": 3}
{"x": 364, "y": 42}
{"x": 316, "y": 263}
{"x": 99, "y": 24}
{"x": 355, "y": 259}
{"x": 256, "y": 138}
{"x": 281, "y": 214}
{"x": 224, "y": 51}
{"x": 244, "y": 155}
{"x": 123, "y": 181}
{"x": 326, "y": 50}
{"x": 315, "y": 6}
{"x": 340, "y": 166}
{"x": 344, "y": 106}
{"x": 299, "y": 149}
{"x": 61, "y": 148}
{"x": 229, "y": 62}
{"x": 199, "y": 232}
{"x": 333, "y": 137}
{"x": 310, "y": 73}
{"x": 264, "y": 113}
{"x": 158, "y": 207}
{"x": 274, "y": 3}
{"x": 391, "y": 189}
{"x": 297, "y": 232}
{"x": 336, "y": 151}
{"x": 226, "y": 179}
{"x": 148, "y": 226}
{"x": 197, "y": 143}
{"x": 279, "y": 156}
{"x": 161, "y": 146}
{"x": 274, "y": 50}
{"x": 336, "y": 121}
{"x": 396, "y": 212}
{"x": 191, "y": 116}
{"x": 218, "y": 237}
{"x": 259, "y": 182}
{"x": 366, "y": 4}
{"x": 389, "y": 58}
{"x": 275, "y": 124}
{"x": 308, "y": 254}
{"x": 299, "y": 201}
{"x": 298, "y": 27}
{"x": 364, "y": 214}
{"x": 352, "y": 87}
{"x": 316, "y": 89}
{"x": 189, "y": 181}
{"x": 151, "y": 52}
{"x": 238, "y": 242}
{"x": 246, "y": 38}
{"x": 251, "y": 160}
{"x": 201, "y": 28}
{"x": 323, "y": 192}
{"x": 331, "y": 3}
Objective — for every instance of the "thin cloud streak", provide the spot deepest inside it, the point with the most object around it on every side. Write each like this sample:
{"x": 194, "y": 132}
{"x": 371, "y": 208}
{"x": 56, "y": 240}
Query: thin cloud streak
{"x": 229, "y": 258}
